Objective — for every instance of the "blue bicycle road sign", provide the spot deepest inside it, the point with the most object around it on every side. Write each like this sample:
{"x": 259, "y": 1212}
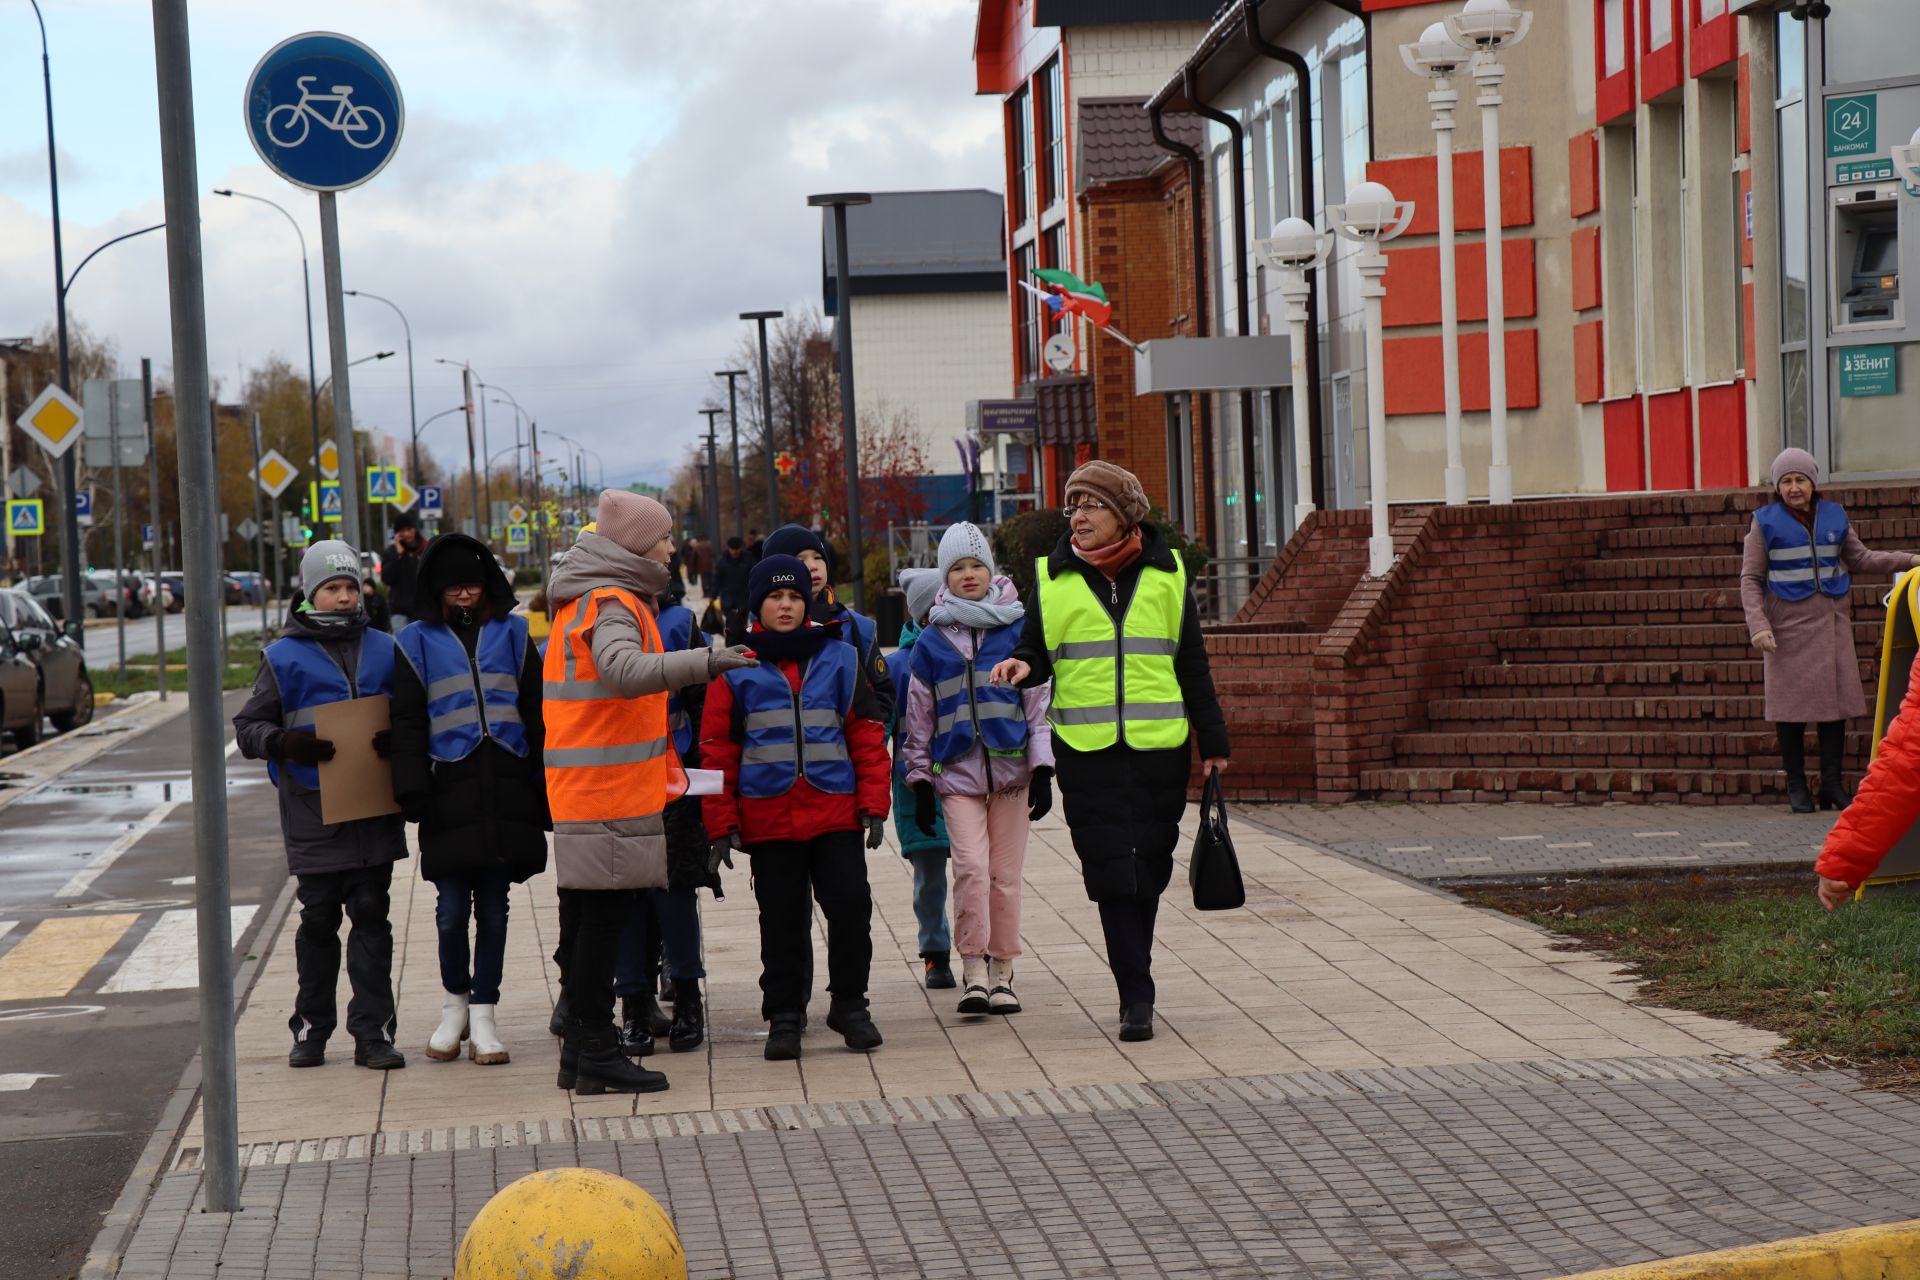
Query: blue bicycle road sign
{"x": 324, "y": 111}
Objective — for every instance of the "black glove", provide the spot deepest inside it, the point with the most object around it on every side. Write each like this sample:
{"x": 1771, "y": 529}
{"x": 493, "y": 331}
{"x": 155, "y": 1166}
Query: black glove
{"x": 383, "y": 743}
{"x": 720, "y": 852}
{"x": 303, "y": 748}
{"x": 923, "y": 807}
{"x": 1040, "y": 794}
{"x": 876, "y": 830}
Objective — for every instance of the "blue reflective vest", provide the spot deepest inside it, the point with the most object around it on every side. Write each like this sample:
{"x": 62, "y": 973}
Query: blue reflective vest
{"x": 458, "y": 718}
{"x": 308, "y": 677}
{"x": 677, "y": 630}
{"x": 787, "y": 736}
{"x": 1797, "y": 565}
{"x": 863, "y": 627}
{"x": 965, "y": 702}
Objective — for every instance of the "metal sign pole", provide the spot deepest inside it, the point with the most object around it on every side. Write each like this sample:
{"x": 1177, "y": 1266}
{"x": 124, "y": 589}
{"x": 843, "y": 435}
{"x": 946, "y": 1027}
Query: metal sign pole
{"x": 119, "y": 546}
{"x": 199, "y": 500}
{"x": 259, "y": 531}
{"x": 350, "y": 511}
{"x": 153, "y": 523}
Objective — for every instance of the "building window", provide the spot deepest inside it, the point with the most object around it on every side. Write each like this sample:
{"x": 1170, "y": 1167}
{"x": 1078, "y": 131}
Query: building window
{"x": 1020, "y": 155}
{"x": 1620, "y": 256}
{"x": 1053, "y": 135}
{"x": 1871, "y": 40}
{"x": 1790, "y": 112}
{"x": 1613, "y": 25}
{"x": 1613, "y": 40}
{"x": 1030, "y": 330}
{"x": 1711, "y": 9}
{"x": 1659, "y": 24}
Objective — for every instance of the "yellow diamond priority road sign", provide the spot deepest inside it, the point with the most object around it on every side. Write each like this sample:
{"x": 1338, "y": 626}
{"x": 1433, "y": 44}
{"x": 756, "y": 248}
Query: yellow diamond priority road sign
{"x": 330, "y": 460}
{"x": 275, "y": 473}
{"x": 53, "y": 420}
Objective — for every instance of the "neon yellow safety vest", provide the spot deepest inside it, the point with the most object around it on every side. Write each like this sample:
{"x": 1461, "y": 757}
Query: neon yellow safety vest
{"x": 1115, "y": 683}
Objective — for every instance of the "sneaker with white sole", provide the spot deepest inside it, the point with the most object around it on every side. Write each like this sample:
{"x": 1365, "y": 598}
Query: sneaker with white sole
{"x": 973, "y": 999}
{"x": 1000, "y": 997}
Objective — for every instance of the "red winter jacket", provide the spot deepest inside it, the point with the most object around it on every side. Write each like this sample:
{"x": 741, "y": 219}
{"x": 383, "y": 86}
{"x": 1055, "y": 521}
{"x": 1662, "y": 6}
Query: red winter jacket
{"x": 1886, "y": 805}
{"x": 802, "y": 813}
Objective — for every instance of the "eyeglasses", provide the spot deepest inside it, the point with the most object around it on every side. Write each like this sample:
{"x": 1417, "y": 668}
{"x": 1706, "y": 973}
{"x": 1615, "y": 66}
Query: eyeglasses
{"x": 464, "y": 589}
{"x": 1088, "y": 507}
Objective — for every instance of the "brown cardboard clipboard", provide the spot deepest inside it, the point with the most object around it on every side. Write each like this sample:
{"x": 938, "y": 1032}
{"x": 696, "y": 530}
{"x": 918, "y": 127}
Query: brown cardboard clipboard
{"x": 356, "y": 783}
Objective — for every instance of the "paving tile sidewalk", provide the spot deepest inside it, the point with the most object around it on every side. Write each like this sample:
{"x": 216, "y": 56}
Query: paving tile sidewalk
{"x": 1462, "y": 841}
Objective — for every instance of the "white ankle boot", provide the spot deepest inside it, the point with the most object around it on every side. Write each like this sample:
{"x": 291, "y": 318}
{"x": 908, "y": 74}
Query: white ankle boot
{"x": 973, "y": 982}
{"x": 444, "y": 1044}
{"x": 484, "y": 1047}
{"x": 1000, "y": 997}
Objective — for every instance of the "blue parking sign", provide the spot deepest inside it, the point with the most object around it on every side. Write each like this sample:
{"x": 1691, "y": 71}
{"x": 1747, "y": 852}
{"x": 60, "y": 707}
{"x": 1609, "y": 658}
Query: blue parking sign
{"x": 431, "y": 503}
{"x": 83, "y": 505}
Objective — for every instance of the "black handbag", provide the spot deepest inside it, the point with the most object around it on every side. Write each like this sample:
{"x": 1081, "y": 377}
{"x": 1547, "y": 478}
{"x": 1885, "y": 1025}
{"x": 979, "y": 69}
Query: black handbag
{"x": 1214, "y": 870}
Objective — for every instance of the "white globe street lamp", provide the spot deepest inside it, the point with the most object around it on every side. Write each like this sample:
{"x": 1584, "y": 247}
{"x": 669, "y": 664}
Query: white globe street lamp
{"x": 1486, "y": 28}
{"x": 1906, "y": 163}
{"x": 1437, "y": 57}
{"x": 1371, "y": 217}
{"x": 1295, "y": 249}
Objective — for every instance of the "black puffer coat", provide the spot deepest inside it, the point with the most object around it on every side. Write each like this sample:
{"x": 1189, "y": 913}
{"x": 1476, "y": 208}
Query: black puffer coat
{"x": 487, "y": 812}
{"x": 1123, "y": 805}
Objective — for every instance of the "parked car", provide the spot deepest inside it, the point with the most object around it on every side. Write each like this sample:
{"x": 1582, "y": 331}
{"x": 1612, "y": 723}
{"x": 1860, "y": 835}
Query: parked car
{"x": 126, "y": 594}
{"x": 156, "y": 595}
{"x": 254, "y": 587}
{"x": 96, "y": 601}
{"x": 43, "y": 670}
{"x": 177, "y": 584}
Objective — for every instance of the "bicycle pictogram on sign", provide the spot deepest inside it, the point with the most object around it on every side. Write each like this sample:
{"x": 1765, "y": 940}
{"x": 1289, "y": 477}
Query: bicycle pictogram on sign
{"x": 288, "y": 123}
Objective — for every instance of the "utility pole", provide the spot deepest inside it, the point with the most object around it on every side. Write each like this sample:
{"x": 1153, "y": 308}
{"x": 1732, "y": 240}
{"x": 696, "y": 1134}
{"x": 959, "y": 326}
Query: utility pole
{"x": 119, "y": 547}
{"x": 199, "y": 500}
{"x": 733, "y": 377}
{"x": 766, "y": 415}
{"x": 712, "y": 498}
{"x": 482, "y": 518}
{"x": 351, "y": 476}
{"x": 259, "y": 532}
{"x": 843, "y": 339}
{"x": 153, "y": 520}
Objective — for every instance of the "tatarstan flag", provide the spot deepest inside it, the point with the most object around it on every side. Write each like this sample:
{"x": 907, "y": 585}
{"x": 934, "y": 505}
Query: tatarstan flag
{"x": 1074, "y": 296}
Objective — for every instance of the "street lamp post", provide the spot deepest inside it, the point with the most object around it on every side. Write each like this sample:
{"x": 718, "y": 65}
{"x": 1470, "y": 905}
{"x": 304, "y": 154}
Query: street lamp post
{"x": 1436, "y": 56}
{"x": 843, "y": 339}
{"x": 306, "y": 286}
{"x": 760, "y": 318}
{"x": 1296, "y": 249}
{"x": 413, "y": 411}
{"x": 733, "y": 377}
{"x": 1370, "y": 217}
{"x": 482, "y": 516}
{"x": 1488, "y": 27}
{"x": 712, "y": 496}
{"x": 520, "y": 482}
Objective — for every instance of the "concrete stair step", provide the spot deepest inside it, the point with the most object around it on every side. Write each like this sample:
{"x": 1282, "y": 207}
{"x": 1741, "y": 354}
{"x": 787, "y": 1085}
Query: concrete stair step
{"x": 1639, "y": 749}
{"x": 1578, "y": 786}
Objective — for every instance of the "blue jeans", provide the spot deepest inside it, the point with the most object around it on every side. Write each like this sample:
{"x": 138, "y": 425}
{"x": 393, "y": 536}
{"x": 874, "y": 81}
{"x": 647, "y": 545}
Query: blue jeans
{"x": 930, "y": 900}
{"x": 484, "y": 898}
{"x": 673, "y": 915}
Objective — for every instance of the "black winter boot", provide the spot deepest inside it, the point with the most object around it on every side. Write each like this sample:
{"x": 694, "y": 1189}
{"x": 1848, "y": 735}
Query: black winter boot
{"x": 855, "y": 1026}
{"x": 603, "y": 1068}
{"x": 636, "y": 1031}
{"x": 939, "y": 970}
{"x": 569, "y": 1059}
{"x": 783, "y": 1038}
{"x": 689, "y": 1017}
{"x": 658, "y": 1023}
{"x": 557, "y": 1024}
{"x": 1833, "y": 757}
{"x": 1793, "y": 754}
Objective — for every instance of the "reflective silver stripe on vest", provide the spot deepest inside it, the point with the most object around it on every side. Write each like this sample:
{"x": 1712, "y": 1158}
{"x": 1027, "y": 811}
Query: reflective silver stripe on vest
{"x": 950, "y": 686}
{"x": 1156, "y": 710}
{"x": 816, "y": 752}
{"x": 453, "y": 719}
{"x": 810, "y": 718}
{"x": 597, "y": 757}
{"x": 783, "y": 753}
{"x": 1149, "y": 647}
{"x": 447, "y": 686}
{"x": 1105, "y": 715}
{"x": 573, "y": 629}
{"x": 1082, "y": 650}
{"x": 676, "y": 720}
{"x": 1789, "y": 575}
{"x": 498, "y": 681}
{"x": 503, "y": 713}
{"x": 1831, "y": 551}
{"x": 301, "y": 719}
{"x": 981, "y": 711}
{"x": 575, "y": 691}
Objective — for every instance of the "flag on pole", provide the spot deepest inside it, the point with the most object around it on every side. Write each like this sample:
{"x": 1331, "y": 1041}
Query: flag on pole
{"x": 1070, "y": 294}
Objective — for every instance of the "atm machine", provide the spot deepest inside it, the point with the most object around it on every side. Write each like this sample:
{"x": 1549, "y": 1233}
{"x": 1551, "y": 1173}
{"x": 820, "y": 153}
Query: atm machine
{"x": 1864, "y": 229}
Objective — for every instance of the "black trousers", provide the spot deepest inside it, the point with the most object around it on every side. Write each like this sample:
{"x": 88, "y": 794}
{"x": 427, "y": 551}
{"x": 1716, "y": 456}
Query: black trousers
{"x": 362, "y": 896}
{"x": 589, "y": 950}
{"x": 1128, "y": 924}
{"x": 788, "y": 878}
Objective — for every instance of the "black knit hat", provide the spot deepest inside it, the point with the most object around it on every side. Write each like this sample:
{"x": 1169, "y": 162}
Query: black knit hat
{"x": 791, "y": 540}
{"x": 454, "y": 564}
{"x": 772, "y": 574}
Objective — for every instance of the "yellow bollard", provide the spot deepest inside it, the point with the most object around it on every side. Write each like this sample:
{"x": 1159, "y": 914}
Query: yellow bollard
{"x": 576, "y": 1224}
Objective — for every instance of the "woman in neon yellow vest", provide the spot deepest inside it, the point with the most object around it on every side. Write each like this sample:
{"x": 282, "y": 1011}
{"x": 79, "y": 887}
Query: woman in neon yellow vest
{"x": 1113, "y": 624}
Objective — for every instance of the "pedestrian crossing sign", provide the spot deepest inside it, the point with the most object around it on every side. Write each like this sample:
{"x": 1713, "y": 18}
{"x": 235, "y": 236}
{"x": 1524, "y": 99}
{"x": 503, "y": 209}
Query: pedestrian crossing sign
{"x": 519, "y": 537}
{"x": 26, "y": 517}
{"x": 383, "y": 484}
{"x": 326, "y": 500}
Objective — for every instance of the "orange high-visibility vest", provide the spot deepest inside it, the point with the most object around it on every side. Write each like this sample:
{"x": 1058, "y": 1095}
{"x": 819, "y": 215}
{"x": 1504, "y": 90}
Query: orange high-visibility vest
{"x": 607, "y": 757}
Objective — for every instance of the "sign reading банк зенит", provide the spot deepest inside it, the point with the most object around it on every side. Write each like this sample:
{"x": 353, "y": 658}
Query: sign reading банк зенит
{"x": 1869, "y": 371}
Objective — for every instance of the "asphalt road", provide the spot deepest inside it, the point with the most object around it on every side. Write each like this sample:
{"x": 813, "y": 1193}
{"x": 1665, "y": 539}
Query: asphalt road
{"x": 99, "y": 1011}
{"x": 103, "y": 650}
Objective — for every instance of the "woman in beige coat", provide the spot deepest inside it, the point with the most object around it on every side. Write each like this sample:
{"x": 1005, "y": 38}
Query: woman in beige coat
{"x": 1795, "y": 574}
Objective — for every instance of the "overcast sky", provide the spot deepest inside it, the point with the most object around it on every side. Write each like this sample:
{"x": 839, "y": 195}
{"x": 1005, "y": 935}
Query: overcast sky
{"x": 587, "y": 193}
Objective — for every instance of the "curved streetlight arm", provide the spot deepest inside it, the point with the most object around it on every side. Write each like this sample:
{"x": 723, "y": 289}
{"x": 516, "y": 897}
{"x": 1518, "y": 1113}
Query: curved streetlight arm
{"x": 68, "y": 286}
{"x": 272, "y": 204}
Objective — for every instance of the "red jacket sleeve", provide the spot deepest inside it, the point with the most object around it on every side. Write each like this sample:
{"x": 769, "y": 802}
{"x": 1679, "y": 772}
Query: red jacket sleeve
{"x": 1886, "y": 805}
{"x": 719, "y": 751}
{"x": 872, "y": 768}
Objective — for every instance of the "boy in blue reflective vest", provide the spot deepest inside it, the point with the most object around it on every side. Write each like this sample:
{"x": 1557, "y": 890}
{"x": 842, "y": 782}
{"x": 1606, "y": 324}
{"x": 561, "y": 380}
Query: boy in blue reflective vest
{"x": 925, "y": 851}
{"x": 468, "y": 734}
{"x": 328, "y": 653}
{"x": 824, "y": 607}
{"x": 982, "y": 751}
{"x": 801, "y": 742}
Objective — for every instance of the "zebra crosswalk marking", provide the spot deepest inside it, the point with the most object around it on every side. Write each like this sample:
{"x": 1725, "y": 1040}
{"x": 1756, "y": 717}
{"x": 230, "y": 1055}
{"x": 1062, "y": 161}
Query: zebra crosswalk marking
{"x": 52, "y": 959}
{"x": 167, "y": 959}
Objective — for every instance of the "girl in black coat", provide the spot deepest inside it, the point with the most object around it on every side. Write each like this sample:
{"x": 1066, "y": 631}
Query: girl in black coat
{"x": 483, "y": 818}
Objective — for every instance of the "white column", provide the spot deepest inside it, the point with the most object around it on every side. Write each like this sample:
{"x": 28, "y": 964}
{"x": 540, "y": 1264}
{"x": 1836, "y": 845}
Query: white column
{"x": 1295, "y": 289}
{"x": 1488, "y": 73}
{"x": 1443, "y": 99}
{"x": 1372, "y": 265}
